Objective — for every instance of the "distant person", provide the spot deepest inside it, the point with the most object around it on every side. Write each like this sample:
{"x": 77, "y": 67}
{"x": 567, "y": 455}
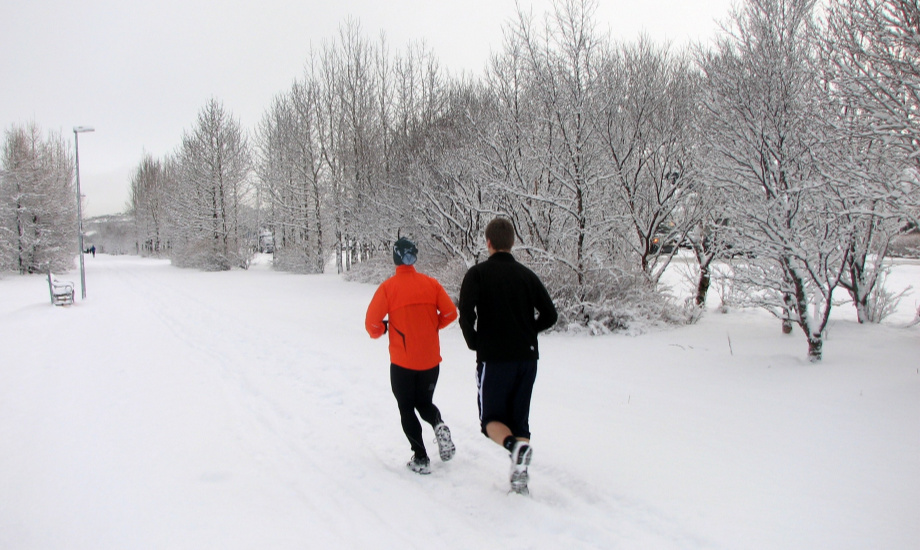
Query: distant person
{"x": 416, "y": 307}
{"x": 503, "y": 305}
{"x": 93, "y": 250}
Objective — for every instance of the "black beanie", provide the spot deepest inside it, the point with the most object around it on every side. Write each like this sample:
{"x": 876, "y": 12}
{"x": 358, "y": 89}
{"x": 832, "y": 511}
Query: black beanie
{"x": 404, "y": 252}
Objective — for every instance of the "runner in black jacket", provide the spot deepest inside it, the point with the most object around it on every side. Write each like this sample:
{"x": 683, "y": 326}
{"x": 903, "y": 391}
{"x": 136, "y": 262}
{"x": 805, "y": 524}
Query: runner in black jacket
{"x": 503, "y": 305}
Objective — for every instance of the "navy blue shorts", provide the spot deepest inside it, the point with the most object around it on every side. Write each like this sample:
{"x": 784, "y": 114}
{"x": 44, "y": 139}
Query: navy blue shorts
{"x": 505, "y": 388}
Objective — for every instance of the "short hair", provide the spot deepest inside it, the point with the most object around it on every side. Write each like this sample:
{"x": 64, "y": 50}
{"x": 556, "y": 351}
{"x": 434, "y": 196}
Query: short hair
{"x": 500, "y": 232}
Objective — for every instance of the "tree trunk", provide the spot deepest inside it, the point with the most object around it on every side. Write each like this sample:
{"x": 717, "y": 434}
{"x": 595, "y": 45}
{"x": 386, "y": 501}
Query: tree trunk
{"x": 702, "y": 287}
{"x": 815, "y": 345}
{"x": 862, "y": 310}
{"x": 788, "y": 308}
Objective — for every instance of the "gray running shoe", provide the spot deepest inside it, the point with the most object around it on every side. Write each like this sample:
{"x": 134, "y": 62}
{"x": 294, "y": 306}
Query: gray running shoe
{"x": 419, "y": 465}
{"x": 446, "y": 447}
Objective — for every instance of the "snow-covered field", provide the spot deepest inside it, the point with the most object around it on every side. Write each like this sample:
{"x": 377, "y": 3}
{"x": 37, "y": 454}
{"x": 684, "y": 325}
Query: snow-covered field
{"x": 175, "y": 409}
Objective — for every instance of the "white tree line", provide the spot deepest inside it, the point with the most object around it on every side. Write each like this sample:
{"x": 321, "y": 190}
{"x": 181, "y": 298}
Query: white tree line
{"x": 790, "y": 147}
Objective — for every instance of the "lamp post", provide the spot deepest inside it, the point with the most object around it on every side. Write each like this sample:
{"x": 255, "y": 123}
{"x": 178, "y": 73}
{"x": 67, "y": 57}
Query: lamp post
{"x": 77, "y": 130}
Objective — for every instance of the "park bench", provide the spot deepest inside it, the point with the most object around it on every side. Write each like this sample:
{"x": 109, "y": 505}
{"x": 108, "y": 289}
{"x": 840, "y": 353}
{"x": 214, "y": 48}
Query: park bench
{"x": 62, "y": 292}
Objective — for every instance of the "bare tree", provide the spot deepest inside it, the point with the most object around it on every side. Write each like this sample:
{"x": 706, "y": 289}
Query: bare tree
{"x": 764, "y": 98}
{"x": 447, "y": 191}
{"x": 147, "y": 204}
{"x": 359, "y": 144}
{"x": 542, "y": 155}
{"x": 39, "y": 201}
{"x": 213, "y": 183}
{"x": 649, "y": 133}
{"x": 346, "y": 114}
{"x": 290, "y": 169}
{"x": 877, "y": 46}
{"x": 866, "y": 172}
{"x": 591, "y": 151}
{"x": 872, "y": 71}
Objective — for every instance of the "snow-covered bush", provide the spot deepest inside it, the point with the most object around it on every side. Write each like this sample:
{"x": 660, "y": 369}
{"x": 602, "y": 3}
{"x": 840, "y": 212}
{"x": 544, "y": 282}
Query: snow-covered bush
{"x": 295, "y": 260}
{"x": 607, "y": 300}
{"x": 882, "y": 302}
{"x": 373, "y": 271}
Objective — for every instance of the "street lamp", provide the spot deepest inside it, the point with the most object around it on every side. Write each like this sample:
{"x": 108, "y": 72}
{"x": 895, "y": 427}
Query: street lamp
{"x": 77, "y": 130}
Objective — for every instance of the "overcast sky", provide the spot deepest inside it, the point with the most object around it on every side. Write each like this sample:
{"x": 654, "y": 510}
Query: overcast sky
{"x": 139, "y": 72}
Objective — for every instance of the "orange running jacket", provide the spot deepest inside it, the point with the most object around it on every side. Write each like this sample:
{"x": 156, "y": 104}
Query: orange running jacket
{"x": 417, "y": 307}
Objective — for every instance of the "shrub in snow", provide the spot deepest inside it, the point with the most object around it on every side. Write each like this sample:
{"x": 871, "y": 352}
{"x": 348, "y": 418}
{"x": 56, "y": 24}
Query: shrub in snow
{"x": 201, "y": 254}
{"x": 296, "y": 260}
{"x": 882, "y": 302}
{"x": 612, "y": 301}
{"x": 373, "y": 271}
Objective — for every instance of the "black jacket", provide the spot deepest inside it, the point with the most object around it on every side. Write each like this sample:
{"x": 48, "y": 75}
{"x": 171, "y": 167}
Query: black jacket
{"x": 503, "y": 305}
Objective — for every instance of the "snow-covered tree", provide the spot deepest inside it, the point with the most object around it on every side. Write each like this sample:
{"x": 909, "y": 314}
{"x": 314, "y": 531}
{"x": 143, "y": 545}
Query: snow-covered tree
{"x": 872, "y": 72}
{"x": 147, "y": 205}
{"x": 212, "y": 185}
{"x": 424, "y": 110}
{"x": 39, "y": 224}
{"x": 447, "y": 190}
{"x": 351, "y": 140}
{"x": 649, "y": 136}
{"x": 765, "y": 101}
{"x": 865, "y": 172}
{"x": 590, "y": 150}
{"x": 541, "y": 158}
{"x": 877, "y": 47}
{"x": 290, "y": 169}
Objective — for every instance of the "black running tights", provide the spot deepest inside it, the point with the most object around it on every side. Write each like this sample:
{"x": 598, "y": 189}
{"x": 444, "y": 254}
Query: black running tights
{"x": 414, "y": 391}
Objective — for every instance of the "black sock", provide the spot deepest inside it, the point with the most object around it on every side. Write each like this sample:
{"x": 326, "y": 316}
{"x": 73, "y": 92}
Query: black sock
{"x": 509, "y": 442}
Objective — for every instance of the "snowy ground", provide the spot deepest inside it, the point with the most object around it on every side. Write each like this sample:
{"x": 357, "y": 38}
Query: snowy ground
{"x": 179, "y": 409}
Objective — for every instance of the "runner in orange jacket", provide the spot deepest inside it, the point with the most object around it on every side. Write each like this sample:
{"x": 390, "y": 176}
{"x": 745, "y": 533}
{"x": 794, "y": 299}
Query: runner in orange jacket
{"x": 416, "y": 307}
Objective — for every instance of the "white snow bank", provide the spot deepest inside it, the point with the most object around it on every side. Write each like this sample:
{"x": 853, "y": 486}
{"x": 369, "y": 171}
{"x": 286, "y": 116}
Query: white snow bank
{"x": 249, "y": 409}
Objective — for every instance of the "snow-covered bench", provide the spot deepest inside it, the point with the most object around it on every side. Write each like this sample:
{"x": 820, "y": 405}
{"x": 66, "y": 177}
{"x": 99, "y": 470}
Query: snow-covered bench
{"x": 62, "y": 293}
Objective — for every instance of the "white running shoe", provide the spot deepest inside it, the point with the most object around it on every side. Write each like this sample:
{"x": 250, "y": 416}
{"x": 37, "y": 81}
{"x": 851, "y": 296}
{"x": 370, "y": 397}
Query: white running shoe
{"x": 419, "y": 465}
{"x": 446, "y": 447}
{"x": 521, "y": 455}
{"x": 519, "y": 483}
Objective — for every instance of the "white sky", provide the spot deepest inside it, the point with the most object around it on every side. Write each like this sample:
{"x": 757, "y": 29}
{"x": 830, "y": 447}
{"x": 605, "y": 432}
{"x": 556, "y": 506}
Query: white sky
{"x": 138, "y": 72}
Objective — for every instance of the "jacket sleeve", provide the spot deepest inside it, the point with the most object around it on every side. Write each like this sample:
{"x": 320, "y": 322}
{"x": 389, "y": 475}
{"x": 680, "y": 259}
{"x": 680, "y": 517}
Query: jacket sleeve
{"x": 547, "y": 310}
{"x": 447, "y": 311}
{"x": 376, "y": 311}
{"x": 469, "y": 295}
